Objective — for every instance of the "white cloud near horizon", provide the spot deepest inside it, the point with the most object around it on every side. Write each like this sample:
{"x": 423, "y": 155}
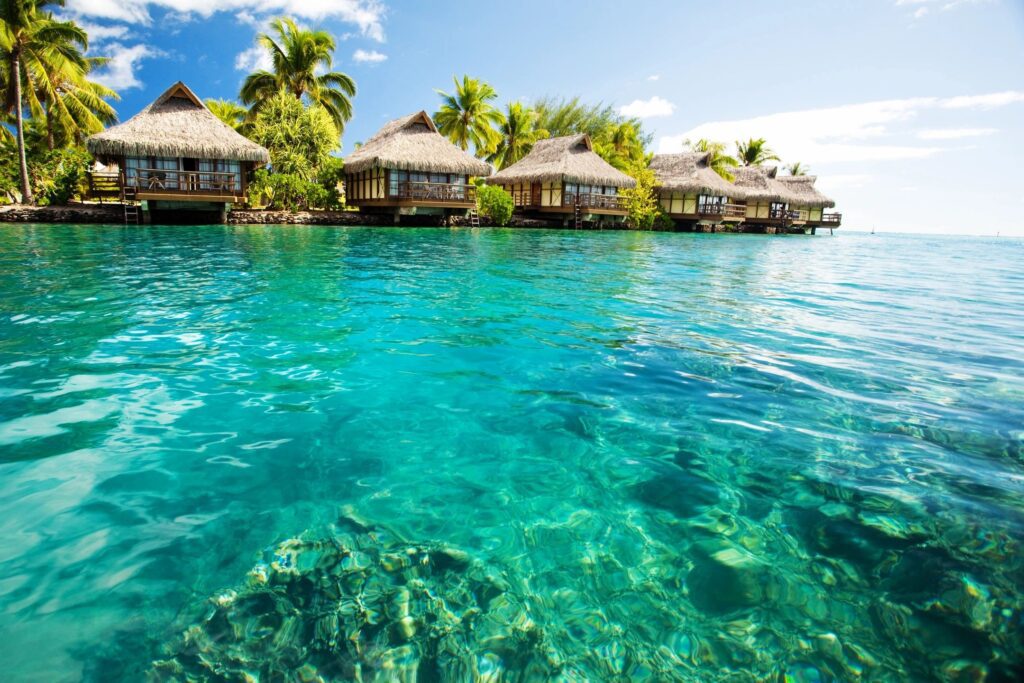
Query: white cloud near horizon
{"x": 369, "y": 56}
{"x": 255, "y": 58}
{"x": 120, "y": 73}
{"x": 955, "y": 133}
{"x": 846, "y": 133}
{"x": 368, "y": 15}
{"x": 924, "y": 7}
{"x": 648, "y": 109}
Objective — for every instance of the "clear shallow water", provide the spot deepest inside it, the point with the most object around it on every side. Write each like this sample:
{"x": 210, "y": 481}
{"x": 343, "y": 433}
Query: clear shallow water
{"x": 679, "y": 456}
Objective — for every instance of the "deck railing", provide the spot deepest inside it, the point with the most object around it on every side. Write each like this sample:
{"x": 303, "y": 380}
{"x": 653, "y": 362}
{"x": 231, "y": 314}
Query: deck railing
{"x": 524, "y": 198}
{"x": 160, "y": 180}
{"x": 104, "y": 185}
{"x": 713, "y": 210}
{"x": 435, "y": 192}
{"x": 833, "y": 218}
{"x": 783, "y": 214}
{"x": 592, "y": 200}
{"x": 735, "y": 211}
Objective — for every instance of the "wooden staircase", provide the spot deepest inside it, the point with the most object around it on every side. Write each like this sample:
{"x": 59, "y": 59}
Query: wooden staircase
{"x": 132, "y": 213}
{"x": 474, "y": 218}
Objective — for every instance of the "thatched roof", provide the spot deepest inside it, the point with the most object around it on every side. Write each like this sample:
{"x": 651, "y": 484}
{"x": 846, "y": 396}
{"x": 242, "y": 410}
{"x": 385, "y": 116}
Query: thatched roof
{"x": 571, "y": 158}
{"x": 412, "y": 143}
{"x": 758, "y": 183}
{"x": 803, "y": 187}
{"x": 177, "y": 124}
{"x": 689, "y": 172}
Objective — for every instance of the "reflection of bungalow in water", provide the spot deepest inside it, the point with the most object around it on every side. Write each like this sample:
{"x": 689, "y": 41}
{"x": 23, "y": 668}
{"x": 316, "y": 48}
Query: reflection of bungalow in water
{"x": 409, "y": 168}
{"x": 808, "y": 208}
{"x": 692, "y": 194}
{"x": 176, "y": 158}
{"x": 565, "y": 177}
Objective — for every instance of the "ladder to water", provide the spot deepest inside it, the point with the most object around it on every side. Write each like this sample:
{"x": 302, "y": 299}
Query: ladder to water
{"x": 578, "y": 218}
{"x": 474, "y": 218}
{"x": 131, "y": 208}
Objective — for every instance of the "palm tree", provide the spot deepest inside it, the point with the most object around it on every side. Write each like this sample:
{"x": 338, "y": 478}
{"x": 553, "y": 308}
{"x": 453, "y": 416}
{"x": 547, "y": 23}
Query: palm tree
{"x": 33, "y": 44}
{"x": 754, "y": 152}
{"x": 518, "y": 133}
{"x": 469, "y": 117}
{"x": 299, "y": 56}
{"x": 228, "y": 111}
{"x": 796, "y": 168}
{"x": 719, "y": 162}
{"x": 75, "y": 106}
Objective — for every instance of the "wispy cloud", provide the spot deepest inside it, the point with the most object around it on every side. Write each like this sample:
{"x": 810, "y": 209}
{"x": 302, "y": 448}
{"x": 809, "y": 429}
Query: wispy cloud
{"x": 654, "y": 77}
{"x": 120, "y": 73}
{"x": 924, "y": 7}
{"x": 367, "y": 15}
{"x": 955, "y": 133}
{"x": 255, "y": 58}
{"x": 852, "y": 132}
{"x": 648, "y": 109}
{"x": 369, "y": 56}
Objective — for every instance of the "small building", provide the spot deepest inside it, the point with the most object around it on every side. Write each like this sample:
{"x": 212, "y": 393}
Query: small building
{"x": 564, "y": 177}
{"x": 809, "y": 207}
{"x": 692, "y": 193}
{"x": 408, "y": 168}
{"x": 177, "y": 159}
{"x": 767, "y": 200}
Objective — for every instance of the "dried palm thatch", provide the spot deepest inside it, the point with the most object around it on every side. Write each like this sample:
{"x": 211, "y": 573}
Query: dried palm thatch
{"x": 412, "y": 143}
{"x": 176, "y": 124}
{"x": 758, "y": 184}
{"x": 803, "y": 186}
{"x": 690, "y": 173}
{"x": 571, "y": 158}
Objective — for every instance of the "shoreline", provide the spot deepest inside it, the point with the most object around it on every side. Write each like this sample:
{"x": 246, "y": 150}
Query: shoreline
{"x": 113, "y": 213}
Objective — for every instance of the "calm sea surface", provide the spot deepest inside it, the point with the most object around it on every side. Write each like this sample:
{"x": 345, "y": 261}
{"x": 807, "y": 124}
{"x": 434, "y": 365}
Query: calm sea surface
{"x": 401, "y": 454}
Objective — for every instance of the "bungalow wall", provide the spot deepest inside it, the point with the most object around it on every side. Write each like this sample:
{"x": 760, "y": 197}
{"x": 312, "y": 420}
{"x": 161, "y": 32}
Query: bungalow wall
{"x": 365, "y": 185}
{"x": 758, "y": 209}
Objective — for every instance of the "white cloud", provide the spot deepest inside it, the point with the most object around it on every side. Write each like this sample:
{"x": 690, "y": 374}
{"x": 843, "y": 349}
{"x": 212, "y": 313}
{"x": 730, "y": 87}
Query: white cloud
{"x": 368, "y": 15}
{"x": 370, "y": 56}
{"x": 955, "y": 133}
{"x": 654, "y": 77}
{"x": 924, "y": 7}
{"x": 101, "y": 34}
{"x": 647, "y": 109}
{"x": 256, "y": 58}
{"x": 120, "y": 71}
{"x": 852, "y": 132}
{"x": 990, "y": 101}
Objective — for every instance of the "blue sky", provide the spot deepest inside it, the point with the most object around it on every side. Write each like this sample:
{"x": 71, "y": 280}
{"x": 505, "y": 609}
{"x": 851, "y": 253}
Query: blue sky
{"x": 907, "y": 110}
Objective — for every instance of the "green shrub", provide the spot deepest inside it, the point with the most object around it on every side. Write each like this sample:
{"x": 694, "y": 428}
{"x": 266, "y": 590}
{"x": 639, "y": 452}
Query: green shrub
{"x": 495, "y": 203}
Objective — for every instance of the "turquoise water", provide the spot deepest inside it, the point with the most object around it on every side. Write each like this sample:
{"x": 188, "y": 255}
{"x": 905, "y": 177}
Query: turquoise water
{"x": 509, "y": 455}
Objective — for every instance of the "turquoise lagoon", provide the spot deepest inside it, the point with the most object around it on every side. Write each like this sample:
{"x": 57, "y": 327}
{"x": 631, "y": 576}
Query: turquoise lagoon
{"x": 304, "y": 453}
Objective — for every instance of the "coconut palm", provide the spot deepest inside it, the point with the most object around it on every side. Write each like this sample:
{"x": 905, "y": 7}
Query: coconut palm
{"x": 228, "y": 111}
{"x": 518, "y": 134}
{"x": 796, "y": 168}
{"x": 719, "y": 161}
{"x": 468, "y": 117}
{"x": 298, "y": 56}
{"x": 32, "y": 46}
{"x": 75, "y": 106}
{"x": 754, "y": 152}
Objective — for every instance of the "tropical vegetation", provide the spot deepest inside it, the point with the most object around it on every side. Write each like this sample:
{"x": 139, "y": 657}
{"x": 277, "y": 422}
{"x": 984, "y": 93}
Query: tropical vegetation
{"x": 495, "y": 203}
{"x": 518, "y": 132}
{"x": 755, "y": 152}
{"x": 468, "y": 116}
{"x": 302, "y": 60}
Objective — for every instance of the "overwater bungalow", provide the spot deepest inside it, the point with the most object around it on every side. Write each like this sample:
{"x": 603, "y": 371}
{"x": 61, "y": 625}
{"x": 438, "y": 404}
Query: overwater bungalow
{"x": 409, "y": 168}
{"x": 767, "y": 200}
{"x": 692, "y": 194}
{"x": 178, "y": 160}
{"x": 565, "y": 177}
{"x": 808, "y": 210}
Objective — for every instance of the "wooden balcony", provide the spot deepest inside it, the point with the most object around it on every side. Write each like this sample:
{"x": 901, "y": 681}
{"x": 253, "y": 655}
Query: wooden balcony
{"x": 734, "y": 213}
{"x": 154, "y": 183}
{"x": 589, "y": 202}
{"x": 832, "y": 219}
{"x": 419, "y": 194}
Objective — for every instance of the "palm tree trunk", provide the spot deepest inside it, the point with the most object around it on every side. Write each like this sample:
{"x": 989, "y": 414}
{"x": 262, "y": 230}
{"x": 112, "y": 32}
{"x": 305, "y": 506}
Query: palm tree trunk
{"x": 49, "y": 130}
{"x": 26, "y": 191}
